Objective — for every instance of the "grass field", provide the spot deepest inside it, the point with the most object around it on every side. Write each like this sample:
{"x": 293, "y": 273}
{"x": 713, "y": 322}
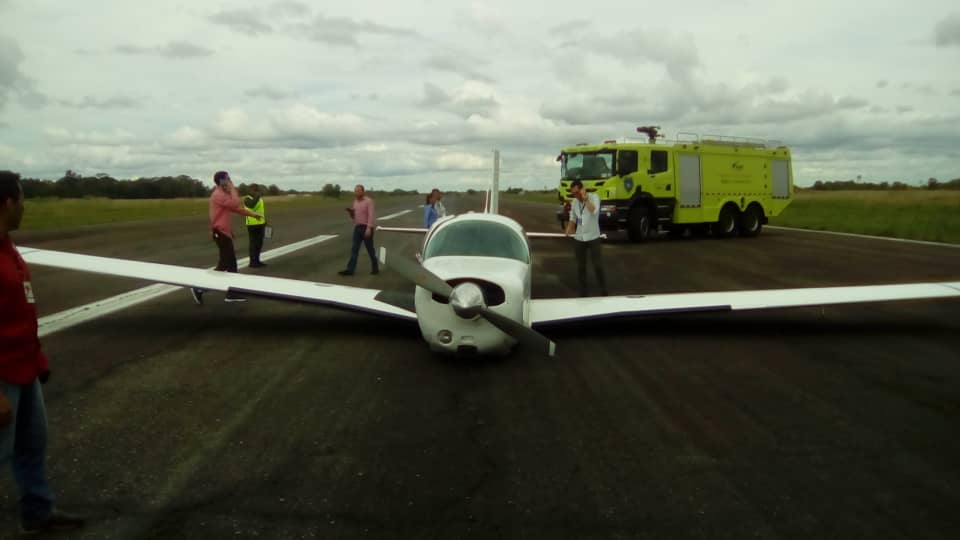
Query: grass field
{"x": 914, "y": 214}
{"x": 52, "y": 213}
{"x": 918, "y": 214}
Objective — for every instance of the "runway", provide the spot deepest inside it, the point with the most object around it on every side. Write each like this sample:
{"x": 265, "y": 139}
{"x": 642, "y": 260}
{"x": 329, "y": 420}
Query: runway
{"x": 275, "y": 420}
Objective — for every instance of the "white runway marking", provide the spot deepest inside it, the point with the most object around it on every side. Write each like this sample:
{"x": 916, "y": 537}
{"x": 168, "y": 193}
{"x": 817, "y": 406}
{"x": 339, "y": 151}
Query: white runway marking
{"x": 73, "y": 316}
{"x": 921, "y": 242}
{"x": 391, "y": 216}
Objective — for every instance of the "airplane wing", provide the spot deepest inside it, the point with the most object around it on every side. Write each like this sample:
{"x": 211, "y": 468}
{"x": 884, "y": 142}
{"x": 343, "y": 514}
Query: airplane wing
{"x": 554, "y": 235}
{"x": 550, "y": 311}
{"x": 340, "y": 296}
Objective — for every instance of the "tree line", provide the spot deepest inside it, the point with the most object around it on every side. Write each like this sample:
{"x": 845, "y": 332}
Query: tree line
{"x": 850, "y": 185}
{"x": 73, "y": 185}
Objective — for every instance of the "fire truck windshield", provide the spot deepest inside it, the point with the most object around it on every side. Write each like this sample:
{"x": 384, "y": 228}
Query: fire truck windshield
{"x": 587, "y": 166}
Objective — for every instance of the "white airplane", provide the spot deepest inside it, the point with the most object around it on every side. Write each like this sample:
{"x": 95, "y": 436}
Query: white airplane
{"x": 472, "y": 291}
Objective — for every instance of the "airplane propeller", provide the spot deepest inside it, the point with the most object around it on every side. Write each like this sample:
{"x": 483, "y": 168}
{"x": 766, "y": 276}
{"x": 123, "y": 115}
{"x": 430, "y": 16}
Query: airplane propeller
{"x": 467, "y": 301}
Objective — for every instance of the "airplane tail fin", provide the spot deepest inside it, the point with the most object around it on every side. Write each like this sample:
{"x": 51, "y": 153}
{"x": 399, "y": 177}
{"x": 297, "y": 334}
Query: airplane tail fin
{"x": 492, "y": 203}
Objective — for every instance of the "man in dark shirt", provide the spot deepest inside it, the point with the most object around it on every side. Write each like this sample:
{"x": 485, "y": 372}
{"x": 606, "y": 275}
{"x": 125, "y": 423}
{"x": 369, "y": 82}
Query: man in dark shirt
{"x": 23, "y": 366}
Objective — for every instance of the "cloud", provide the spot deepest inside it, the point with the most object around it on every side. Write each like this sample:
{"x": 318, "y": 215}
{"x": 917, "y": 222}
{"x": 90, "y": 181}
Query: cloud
{"x": 174, "y": 49}
{"x": 901, "y": 109}
{"x": 15, "y": 82}
{"x": 186, "y": 137}
{"x": 459, "y": 64}
{"x": 676, "y": 53}
{"x": 472, "y": 98}
{"x": 574, "y": 25}
{"x": 267, "y": 92}
{"x": 290, "y": 8}
{"x": 343, "y": 31}
{"x": 297, "y": 125}
{"x": 11, "y": 78}
{"x": 947, "y": 31}
{"x": 245, "y": 21}
{"x": 882, "y": 83}
{"x": 922, "y": 89}
{"x": 65, "y": 136}
{"x": 89, "y": 102}
{"x": 484, "y": 18}
{"x": 955, "y": 92}
{"x": 850, "y": 102}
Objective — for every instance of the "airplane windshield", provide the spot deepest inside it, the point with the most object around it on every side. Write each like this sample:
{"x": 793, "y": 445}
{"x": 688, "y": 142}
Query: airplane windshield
{"x": 478, "y": 239}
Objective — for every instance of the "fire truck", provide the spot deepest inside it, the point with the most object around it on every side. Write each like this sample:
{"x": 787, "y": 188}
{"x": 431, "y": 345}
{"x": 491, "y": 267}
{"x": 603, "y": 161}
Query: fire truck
{"x": 721, "y": 185}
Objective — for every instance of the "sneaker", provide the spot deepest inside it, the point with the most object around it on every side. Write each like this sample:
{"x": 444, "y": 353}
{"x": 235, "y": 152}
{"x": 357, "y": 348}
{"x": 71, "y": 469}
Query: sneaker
{"x": 234, "y": 299}
{"x": 257, "y": 265}
{"x": 56, "y": 521}
{"x": 197, "y": 295}
{"x": 345, "y": 273}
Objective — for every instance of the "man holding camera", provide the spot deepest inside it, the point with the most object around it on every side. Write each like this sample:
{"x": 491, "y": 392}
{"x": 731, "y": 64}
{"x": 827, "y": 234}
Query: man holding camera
{"x": 224, "y": 200}
{"x": 585, "y": 220}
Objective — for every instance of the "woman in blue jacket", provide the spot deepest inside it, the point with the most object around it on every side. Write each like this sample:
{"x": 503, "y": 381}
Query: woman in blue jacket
{"x": 429, "y": 212}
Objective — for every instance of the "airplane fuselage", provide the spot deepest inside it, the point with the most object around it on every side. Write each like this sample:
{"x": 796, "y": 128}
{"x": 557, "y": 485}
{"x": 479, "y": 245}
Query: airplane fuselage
{"x": 501, "y": 283}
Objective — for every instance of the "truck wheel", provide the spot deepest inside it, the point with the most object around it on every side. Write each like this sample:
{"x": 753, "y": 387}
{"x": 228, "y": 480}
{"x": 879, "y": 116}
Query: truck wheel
{"x": 750, "y": 221}
{"x": 638, "y": 224}
{"x": 726, "y": 226}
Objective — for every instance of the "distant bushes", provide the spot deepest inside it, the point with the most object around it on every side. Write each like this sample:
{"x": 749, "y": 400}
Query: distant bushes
{"x": 850, "y": 185}
{"x": 73, "y": 185}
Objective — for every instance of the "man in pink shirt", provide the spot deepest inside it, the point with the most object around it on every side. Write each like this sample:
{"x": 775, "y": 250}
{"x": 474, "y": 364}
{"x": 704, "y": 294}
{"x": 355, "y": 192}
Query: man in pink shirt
{"x": 224, "y": 201}
{"x": 364, "y": 222}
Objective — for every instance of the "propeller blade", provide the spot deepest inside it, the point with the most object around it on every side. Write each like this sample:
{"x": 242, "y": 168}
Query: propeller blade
{"x": 528, "y": 336}
{"x": 417, "y": 274}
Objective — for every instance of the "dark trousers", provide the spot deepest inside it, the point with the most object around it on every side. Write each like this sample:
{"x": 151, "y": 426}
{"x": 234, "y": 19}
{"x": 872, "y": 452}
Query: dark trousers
{"x": 256, "y": 242}
{"x": 359, "y": 232}
{"x": 23, "y": 444}
{"x": 591, "y": 248}
{"x": 228, "y": 259}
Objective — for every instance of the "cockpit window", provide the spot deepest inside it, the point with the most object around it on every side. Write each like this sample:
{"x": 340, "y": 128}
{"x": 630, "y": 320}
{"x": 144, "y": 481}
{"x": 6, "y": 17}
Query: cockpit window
{"x": 478, "y": 239}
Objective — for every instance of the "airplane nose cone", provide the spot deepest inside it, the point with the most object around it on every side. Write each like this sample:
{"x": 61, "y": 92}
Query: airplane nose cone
{"x": 467, "y": 300}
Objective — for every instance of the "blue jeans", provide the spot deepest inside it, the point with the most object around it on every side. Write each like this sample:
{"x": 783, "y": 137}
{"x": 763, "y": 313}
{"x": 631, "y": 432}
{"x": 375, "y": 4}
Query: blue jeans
{"x": 359, "y": 232}
{"x": 24, "y": 444}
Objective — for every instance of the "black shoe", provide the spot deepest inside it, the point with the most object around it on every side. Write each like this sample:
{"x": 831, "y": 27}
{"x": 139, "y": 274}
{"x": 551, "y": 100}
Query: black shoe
{"x": 56, "y": 521}
{"x": 345, "y": 273}
{"x": 375, "y": 271}
{"x": 197, "y": 295}
{"x": 257, "y": 265}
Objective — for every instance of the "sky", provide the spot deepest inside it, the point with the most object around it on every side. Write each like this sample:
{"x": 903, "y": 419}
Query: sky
{"x": 418, "y": 94}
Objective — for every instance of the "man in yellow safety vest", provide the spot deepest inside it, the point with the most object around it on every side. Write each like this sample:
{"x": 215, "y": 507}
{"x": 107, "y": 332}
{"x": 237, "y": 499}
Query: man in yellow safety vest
{"x": 255, "y": 225}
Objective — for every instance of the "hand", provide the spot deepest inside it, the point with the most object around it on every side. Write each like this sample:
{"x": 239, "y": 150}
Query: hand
{"x": 368, "y": 233}
{"x": 257, "y": 216}
{"x": 6, "y": 415}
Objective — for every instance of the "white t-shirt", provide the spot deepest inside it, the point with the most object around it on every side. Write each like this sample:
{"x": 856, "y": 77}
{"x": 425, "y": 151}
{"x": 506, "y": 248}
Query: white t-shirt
{"x": 588, "y": 223}
{"x": 438, "y": 207}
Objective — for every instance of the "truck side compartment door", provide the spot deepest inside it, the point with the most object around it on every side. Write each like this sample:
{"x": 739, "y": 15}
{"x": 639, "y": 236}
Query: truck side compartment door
{"x": 781, "y": 179}
{"x": 690, "y": 185}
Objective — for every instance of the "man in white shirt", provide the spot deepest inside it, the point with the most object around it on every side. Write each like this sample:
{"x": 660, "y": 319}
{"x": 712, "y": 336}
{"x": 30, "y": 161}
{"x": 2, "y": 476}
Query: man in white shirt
{"x": 585, "y": 220}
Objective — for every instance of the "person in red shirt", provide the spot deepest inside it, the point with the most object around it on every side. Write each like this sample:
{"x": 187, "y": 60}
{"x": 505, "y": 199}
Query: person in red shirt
{"x": 224, "y": 201}
{"x": 23, "y": 366}
{"x": 364, "y": 222}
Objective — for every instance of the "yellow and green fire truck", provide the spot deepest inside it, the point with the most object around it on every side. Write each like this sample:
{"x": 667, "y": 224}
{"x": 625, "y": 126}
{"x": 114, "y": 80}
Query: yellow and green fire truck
{"x": 724, "y": 185}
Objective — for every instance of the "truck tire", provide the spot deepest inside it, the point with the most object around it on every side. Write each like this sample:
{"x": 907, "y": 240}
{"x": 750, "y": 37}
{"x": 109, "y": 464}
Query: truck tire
{"x": 751, "y": 221}
{"x": 726, "y": 225}
{"x": 638, "y": 223}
